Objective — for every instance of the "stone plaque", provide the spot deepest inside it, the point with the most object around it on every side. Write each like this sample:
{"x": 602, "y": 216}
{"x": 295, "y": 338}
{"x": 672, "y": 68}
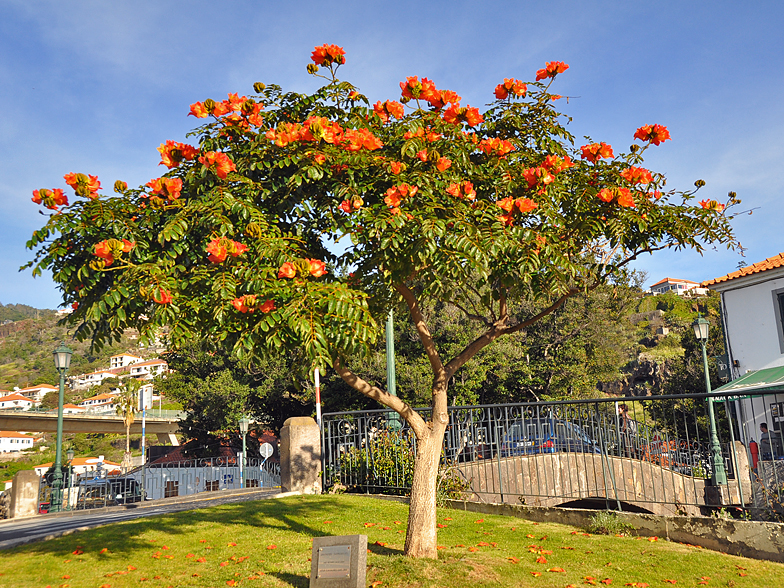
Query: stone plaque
{"x": 339, "y": 562}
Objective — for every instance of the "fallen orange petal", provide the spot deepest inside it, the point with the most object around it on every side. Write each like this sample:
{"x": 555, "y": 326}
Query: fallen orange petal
{"x": 541, "y": 560}
{"x": 232, "y": 544}
{"x": 513, "y": 559}
{"x": 671, "y": 581}
{"x": 556, "y": 570}
{"x": 480, "y": 521}
{"x": 104, "y": 550}
{"x": 272, "y": 547}
{"x": 537, "y": 574}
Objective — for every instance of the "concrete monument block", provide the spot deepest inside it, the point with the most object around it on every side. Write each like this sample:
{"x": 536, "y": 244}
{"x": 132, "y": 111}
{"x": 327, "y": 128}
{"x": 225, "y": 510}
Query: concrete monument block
{"x": 24, "y": 494}
{"x": 339, "y": 562}
{"x": 300, "y": 456}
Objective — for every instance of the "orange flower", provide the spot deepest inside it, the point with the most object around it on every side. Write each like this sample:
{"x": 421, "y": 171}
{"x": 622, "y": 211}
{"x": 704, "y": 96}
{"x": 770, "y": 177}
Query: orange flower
{"x": 317, "y": 128}
{"x": 223, "y": 165}
{"x": 422, "y": 155}
{"x": 456, "y": 115}
{"x": 495, "y": 145}
{"x": 328, "y": 54}
{"x": 246, "y": 303}
{"x": 396, "y": 194}
{"x": 199, "y": 110}
{"x": 169, "y": 188}
{"x": 510, "y": 86}
{"x": 413, "y": 88}
{"x": 285, "y": 133}
{"x": 287, "y": 270}
{"x": 556, "y": 165}
{"x": 536, "y": 175}
{"x": 395, "y": 167}
{"x": 711, "y": 205}
{"x": 637, "y": 175}
{"x": 552, "y": 69}
{"x": 162, "y": 296}
{"x": 443, "y": 164}
{"x": 441, "y": 98}
{"x": 462, "y": 190}
{"x": 656, "y": 134}
{"x": 357, "y": 139}
{"x": 388, "y": 108}
{"x": 268, "y": 306}
{"x": 606, "y": 194}
{"x": 625, "y": 197}
{"x": 317, "y": 268}
{"x": 83, "y": 185}
{"x": 596, "y": 151}
{"x": 349, "y": 206}
{"x": 173, "y": 153}
{"x": 50, "y": 198}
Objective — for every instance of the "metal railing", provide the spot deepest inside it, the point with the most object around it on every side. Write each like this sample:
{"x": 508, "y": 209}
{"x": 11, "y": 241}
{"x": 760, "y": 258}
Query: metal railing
{"x": 583, "y": 452}
{"x": 91, "y": 490}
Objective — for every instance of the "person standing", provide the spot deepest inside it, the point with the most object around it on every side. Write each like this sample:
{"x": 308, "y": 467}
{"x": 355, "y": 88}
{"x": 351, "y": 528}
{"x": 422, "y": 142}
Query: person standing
{"x": 628, "y": 430}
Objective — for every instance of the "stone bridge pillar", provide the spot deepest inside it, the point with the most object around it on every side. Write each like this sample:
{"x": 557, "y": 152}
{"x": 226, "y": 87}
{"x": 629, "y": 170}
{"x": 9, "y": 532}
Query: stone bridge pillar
{"x": 300, "y": 456}
{"x": 24, "y": 494}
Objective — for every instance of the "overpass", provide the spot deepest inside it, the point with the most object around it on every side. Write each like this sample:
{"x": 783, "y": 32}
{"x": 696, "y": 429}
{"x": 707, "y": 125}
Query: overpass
{"x": 164, "y": 427}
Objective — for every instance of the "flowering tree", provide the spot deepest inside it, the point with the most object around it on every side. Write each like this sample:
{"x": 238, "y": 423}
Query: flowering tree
{"x": 426, "y": 199}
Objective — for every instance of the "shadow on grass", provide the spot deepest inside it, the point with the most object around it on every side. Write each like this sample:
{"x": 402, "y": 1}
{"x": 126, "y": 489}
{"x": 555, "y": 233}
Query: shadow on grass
{"x": 126, "y": 537}
{"x": 294, "y": 579}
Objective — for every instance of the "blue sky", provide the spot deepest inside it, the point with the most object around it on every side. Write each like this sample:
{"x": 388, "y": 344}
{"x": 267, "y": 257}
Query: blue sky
{"x": 95, "y": 87}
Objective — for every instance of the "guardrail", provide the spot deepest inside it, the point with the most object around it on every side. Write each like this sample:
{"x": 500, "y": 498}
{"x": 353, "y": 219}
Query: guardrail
{"x": 586, "y": 452}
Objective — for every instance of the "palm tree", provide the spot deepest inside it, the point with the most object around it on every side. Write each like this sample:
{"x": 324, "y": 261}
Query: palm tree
{"x": 126, "y": 404}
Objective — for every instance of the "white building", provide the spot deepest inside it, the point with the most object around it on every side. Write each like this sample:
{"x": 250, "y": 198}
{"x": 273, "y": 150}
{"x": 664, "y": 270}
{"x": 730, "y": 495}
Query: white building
{"x": 99, "y": 404}
{"x": 12, "y": 441}
{"x": 146, "y": 370}
{"x": 84, "y": 465}
{"x": 15, "y": 401}
{"x": 680, "y": 287}
{"x": 123, "y": 360}
{"x": 752, "y": 302}
{"x": 36, "y": 393}
{"x": 92, "y": 379}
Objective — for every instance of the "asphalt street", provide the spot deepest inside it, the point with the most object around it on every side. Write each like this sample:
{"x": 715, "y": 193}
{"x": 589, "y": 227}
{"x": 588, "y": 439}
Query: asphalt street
{"x": 49, "y": 526}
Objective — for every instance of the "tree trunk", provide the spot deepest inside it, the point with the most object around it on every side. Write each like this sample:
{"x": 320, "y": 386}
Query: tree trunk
{"x": 421, "y": 535}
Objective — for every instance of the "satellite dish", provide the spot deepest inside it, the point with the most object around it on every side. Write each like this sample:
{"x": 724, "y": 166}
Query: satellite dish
{"x": 266, "y": 450}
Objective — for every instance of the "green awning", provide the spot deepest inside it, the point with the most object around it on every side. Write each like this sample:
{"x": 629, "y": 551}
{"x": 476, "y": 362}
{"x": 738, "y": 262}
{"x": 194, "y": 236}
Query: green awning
{"x": 756, "y": 383}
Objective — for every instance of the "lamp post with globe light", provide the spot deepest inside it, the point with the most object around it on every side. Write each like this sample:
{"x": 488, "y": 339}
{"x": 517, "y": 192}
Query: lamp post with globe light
{"x": 244, "y": 423}
{"x": 62, "y": 361}
{"x": 719, "y": 474}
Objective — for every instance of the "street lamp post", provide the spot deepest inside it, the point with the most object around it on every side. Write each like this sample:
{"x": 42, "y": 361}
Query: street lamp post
{"x": 244, "y": 422}
{"x": 719, "y": 474}
{"x": 62, "y": 360}
{"x": 70, "y": 456}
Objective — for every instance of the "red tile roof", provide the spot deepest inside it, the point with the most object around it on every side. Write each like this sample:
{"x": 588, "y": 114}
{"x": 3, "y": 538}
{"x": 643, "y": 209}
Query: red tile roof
{"x": 674, "y": 280}
{"x": 770, "y": 263}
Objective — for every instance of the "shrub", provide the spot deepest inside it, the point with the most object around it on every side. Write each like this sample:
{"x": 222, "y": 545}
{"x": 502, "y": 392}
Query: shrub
{"x": 609, "y": 523}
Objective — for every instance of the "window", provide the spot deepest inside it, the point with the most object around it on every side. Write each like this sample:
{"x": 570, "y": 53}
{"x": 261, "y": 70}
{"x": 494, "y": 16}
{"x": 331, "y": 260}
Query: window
{"x": 778, "y": 309}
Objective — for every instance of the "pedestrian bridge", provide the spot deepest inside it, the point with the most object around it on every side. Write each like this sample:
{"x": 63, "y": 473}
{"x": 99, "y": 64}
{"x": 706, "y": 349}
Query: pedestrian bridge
{"x": 164, "y": 427}
{"x": 570, "y": 478}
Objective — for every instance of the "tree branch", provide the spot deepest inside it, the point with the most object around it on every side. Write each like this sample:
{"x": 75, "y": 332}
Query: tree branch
{"x": 402, "y": 408}
{"x": 424, "y": 334}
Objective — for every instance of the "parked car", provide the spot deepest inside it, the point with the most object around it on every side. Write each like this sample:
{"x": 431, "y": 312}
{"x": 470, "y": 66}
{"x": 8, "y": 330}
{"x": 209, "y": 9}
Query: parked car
{"x": 545, "y": 435}
{"x": 465, "y": 444}
{"x": 101, "y": 492}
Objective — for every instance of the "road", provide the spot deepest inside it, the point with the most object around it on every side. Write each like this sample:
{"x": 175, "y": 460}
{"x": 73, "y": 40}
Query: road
{"x": 44, "y": 527}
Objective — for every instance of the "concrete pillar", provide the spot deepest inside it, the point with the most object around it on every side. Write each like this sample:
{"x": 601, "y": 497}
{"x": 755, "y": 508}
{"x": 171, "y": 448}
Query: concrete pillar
{"x": 300, "y": 456}
{"x": 24, "y": 494}
{"x": 744, "y": 473}
{"x": 170, "y": 437}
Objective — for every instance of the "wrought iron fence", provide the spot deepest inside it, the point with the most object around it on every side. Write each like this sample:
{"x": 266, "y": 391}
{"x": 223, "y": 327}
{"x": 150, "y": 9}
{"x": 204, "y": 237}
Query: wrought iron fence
{"x": 161, "y": 481}
{"x": 658, "y": 457}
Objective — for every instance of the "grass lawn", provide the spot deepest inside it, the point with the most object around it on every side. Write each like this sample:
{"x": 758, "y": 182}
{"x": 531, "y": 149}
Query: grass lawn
{"x": 268, "y": 543}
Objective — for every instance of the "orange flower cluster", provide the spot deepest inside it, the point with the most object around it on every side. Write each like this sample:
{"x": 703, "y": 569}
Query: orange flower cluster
{"x": 622, "y": 196}
{"x": 556, "y": 164}
{"x": 111, "y": 249}
{"x": 552, "y": 69}
{"x": 469, "y": 115}
{"x": 443, "y": 164}
{"x": 316, "y": 269}
{"x": 412, "y": 88}
{"x": 396, "y": 167}
{"x": 444, "y": 97}
{"x": 221, "y": 247}
{"x": 510, "y": 86}
{"x": 328, "y": 54}
{"x": 317, "y": 128}
{"x": 637, "y": 175}
{"x": 537, "y": 175}
{"x": 656, "y": 134}
{"x": 173, "y": 153}
{"x": 711, "y": 205}
{"x": 250, "y": 303}
{"x": 389, "y": 108}
{"x": 83, "y": 185}
{"x": 246, "y": 110}
{"x": 223, "y": 165}
{"x": 349, "y": 206}
{"x": 514, "y": 206}
{"x": 596, "y": 151}
{"x": 50, "y": 198}
{"x": 169, "y": 188}
{"x": 498, "y": 146}
{"x": 163, "y": 296}
{"x": 430, "y": 136}
{"x": 462, "y": 190}
{"x": 396, "y": 194}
